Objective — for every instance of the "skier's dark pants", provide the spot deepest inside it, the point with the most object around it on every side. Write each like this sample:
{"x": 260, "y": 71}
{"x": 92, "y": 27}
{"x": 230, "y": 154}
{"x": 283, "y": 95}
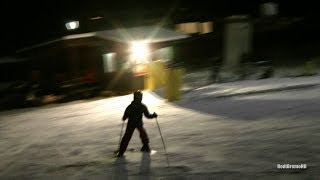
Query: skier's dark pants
{"x": 128, "y": 134}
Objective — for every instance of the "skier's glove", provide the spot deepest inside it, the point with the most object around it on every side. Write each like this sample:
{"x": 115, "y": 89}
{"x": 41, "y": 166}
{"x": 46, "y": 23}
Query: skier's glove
{"x": 155, "y": 115}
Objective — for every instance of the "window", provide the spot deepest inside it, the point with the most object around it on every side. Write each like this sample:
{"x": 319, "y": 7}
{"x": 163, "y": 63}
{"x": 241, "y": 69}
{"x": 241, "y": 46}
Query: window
{"x": 109, "y": 62}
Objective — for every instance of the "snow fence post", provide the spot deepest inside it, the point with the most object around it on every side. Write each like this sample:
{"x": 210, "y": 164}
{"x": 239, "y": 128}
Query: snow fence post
{"x": 174, "y": 83}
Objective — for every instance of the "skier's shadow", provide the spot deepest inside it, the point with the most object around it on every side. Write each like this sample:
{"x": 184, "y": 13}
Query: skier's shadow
{"x": 120, "y": 170}
{"x": 145, "y": 166}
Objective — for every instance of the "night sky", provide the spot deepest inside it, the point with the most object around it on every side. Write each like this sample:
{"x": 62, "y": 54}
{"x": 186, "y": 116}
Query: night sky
{"x": 24, "y": 23}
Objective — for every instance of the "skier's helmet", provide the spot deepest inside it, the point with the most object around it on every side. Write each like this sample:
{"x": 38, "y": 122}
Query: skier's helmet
{"x": 137, "y": 95}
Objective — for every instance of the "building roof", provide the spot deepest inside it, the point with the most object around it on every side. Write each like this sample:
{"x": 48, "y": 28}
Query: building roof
{"x": 8, "y": 59}
{"x": 151, "y": 34}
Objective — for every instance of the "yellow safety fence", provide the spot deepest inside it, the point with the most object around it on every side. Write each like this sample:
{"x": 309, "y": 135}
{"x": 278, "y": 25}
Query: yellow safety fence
{"x": 159, "y": 76}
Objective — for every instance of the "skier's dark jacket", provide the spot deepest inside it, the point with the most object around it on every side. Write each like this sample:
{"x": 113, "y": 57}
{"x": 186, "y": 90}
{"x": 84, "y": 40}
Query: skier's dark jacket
{"x": 134, "y": 112}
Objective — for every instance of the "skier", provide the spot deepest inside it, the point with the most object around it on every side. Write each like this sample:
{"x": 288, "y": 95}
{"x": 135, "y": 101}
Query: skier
{"x": 134, "y": 112}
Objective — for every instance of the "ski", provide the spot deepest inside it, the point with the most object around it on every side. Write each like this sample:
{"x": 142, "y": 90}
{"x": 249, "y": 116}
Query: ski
{"x": 133, "y": 150}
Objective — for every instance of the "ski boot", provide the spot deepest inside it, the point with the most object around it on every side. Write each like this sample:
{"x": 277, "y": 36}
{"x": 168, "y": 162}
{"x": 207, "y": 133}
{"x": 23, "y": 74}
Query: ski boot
{"x": 145, "y": 148}
{"x": 119, "y": 155}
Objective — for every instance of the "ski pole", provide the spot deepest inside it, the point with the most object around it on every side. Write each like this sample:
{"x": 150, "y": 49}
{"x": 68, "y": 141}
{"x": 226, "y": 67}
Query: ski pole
{"x": 120, "y": 139}
{"x": 164, "y": 146}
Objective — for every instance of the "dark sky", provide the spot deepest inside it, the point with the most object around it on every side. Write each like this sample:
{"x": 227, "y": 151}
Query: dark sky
{"x": 24, "y": 23}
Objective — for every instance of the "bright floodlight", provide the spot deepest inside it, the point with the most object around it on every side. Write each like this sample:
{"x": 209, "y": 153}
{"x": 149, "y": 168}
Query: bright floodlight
{"x": 72, "y": 25}
{"x": 139, "y": 50}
